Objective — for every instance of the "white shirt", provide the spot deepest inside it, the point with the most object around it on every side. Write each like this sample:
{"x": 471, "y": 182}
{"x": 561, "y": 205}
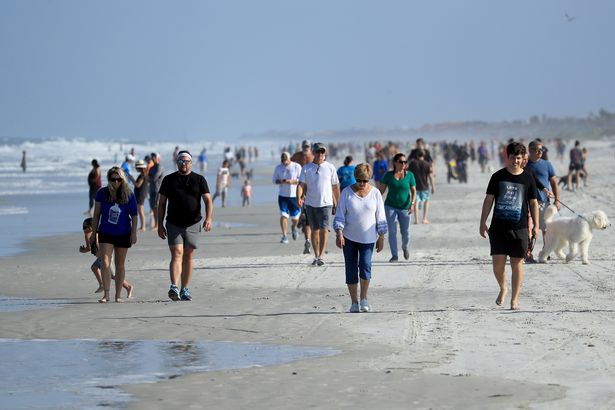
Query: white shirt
{"x": 290, "y": 171}
{"x": 319, "y": 180}
{"x": 223, "y": 174}
{"x": 361, "y": 219}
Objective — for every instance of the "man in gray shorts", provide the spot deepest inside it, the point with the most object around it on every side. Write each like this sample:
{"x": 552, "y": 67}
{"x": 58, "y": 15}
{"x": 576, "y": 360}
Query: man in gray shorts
{"x": 319, "y": 189}
{"x": 183, "y": 190}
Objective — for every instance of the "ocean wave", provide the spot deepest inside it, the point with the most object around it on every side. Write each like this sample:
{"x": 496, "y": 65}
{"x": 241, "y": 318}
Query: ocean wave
{"x": 13, "y": 210}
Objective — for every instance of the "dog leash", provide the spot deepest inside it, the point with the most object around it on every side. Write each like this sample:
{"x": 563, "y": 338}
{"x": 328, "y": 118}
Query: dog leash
{"x": 572, "y": 210}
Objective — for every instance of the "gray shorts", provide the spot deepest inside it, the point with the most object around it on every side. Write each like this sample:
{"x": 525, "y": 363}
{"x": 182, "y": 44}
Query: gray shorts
{"x": 318, "y": 218}
{"x": 178, "y": 235}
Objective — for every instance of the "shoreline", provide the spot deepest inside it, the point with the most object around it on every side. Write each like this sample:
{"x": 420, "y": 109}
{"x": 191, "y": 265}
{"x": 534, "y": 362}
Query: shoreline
{"x": 436, "y": 339}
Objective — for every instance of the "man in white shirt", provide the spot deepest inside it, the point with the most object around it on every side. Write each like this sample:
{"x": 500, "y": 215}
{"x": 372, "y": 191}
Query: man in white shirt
{"x": 286, "y": 175}
{"x": 320, "y": 191}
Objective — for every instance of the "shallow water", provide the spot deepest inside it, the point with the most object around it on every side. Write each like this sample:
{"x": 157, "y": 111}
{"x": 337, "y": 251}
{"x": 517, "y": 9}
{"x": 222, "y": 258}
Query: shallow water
{"x": 88, "y": 373}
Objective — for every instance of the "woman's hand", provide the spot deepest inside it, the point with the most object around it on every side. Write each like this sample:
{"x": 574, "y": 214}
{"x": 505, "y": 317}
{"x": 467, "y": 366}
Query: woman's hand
{"x": 339, "y": 239}
{"x": 379, "y": 243}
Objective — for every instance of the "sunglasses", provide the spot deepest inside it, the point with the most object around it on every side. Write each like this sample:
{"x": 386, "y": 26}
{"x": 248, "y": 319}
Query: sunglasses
{"x": 363, "y": 181}
{"x": 115, "y": 179}
{"x": 402, "y": 162}
{"x": 183, "y": 161}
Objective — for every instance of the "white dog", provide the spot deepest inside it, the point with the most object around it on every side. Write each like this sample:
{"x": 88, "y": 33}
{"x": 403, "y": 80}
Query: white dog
{"x": 574, "y": 231}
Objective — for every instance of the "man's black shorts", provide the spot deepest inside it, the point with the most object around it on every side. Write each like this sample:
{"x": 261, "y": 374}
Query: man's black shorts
{"x": 513, "y": 243}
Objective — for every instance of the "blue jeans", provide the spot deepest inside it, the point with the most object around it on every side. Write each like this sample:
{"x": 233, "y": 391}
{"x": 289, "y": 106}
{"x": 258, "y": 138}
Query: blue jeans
{"x": 357, "y": 260}
{"x": 393, "y": 215}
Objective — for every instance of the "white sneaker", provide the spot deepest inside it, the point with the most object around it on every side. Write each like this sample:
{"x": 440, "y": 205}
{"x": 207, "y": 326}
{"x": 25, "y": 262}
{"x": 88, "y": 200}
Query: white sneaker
{"x": 354, "y": 308}
{"x": 365, "y": 307}
{"x": 284, "y": 239}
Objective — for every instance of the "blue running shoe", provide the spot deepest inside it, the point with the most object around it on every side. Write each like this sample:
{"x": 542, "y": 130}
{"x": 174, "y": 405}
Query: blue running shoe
{"x": 174, "y": 293}
{"x": 185, "y": 295}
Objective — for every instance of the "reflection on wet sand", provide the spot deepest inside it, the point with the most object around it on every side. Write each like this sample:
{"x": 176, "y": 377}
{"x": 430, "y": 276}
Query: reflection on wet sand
{"x": 89, "y": 373}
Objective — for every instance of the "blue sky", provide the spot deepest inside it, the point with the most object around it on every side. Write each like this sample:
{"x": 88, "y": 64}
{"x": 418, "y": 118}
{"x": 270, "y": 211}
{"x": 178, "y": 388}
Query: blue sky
{"x": 220, "y": 69}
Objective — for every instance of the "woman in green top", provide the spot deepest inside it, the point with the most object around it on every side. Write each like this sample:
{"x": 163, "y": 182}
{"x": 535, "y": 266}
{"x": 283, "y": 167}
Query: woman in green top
{"x": 399, "y": 203}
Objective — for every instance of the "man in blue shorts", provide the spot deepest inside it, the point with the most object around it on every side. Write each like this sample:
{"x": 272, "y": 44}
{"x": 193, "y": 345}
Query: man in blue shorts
{"x": 286, "y": 176}
{"x": 183, "y": 190}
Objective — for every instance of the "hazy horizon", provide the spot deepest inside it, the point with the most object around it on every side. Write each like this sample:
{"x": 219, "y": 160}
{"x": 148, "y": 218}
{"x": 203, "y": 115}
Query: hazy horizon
{"x": 223, "y": 70}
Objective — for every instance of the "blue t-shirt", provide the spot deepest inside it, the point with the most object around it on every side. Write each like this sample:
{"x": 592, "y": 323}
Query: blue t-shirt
{"x": 381, "y": 166}
{"x": 346, "y": 176}
{"x": 115, "y": 219}
{"x": 543, "y": 171}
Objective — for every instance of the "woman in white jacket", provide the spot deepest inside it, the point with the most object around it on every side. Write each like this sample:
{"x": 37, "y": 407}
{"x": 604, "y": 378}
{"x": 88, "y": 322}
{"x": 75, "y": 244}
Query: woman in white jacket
{"x": 359, "y": 223}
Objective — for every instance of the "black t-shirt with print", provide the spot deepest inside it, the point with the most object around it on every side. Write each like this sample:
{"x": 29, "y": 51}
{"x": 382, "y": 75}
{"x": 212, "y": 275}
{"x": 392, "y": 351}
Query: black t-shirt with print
{"x": 512, "y": 194}
{"x": 184, "y": 193}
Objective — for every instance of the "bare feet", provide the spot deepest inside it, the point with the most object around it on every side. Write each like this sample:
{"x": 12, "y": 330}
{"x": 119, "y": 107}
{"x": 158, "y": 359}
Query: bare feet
{"x": 105, "y": 299}
{"x": 501, "y": 296}
{"x": 425, "y": 221}
{"x": 153, "y": 228}
{"x": 142, "y": 229}
{"x": 119, "y": 300}
{"x": 100, "y": 289}
{"x": 514, "y": 305}
{"x": 129, "y": 290}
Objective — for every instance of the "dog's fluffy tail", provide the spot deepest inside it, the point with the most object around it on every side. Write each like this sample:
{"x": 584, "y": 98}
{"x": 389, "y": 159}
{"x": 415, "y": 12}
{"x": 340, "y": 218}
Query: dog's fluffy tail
{"x": 550, "y": 212}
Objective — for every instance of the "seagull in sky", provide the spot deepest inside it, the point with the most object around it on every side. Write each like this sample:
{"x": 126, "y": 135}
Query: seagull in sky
{"x": 568, "y": 18}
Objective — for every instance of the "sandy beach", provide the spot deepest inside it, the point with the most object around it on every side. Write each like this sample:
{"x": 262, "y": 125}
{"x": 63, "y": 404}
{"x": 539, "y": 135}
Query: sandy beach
{"x": 436, "y": 339}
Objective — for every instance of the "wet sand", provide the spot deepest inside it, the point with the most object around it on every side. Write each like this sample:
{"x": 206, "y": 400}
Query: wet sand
{"x": 436, "y": 338}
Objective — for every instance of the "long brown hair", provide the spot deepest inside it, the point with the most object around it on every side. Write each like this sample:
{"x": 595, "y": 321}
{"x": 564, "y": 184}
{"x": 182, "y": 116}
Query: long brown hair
{"x": 122, "y": 193}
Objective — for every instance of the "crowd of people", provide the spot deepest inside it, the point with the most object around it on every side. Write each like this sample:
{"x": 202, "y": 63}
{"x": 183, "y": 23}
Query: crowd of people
{"x": 362, "y": 202}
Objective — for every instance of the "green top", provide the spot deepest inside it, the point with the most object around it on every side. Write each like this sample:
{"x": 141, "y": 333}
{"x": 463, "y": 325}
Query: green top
{"x": 399, "y": 190}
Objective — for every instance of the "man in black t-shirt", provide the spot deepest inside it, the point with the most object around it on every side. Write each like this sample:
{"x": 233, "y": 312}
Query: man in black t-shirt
{"x": 183, "y": 190}
{"x": 512, "y": 194}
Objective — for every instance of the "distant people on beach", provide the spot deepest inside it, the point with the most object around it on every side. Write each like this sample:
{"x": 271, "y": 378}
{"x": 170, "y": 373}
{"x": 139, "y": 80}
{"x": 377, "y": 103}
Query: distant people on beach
{"x": 511, "y": 193}
{"x": 360, "y": 223}
{"x": 575, "y": 167}
{"x": 399, "y": 204}
{"x": 223, "y": 182}
{"x": 23, "y": 163}
{"x": 183, "y": 192}
{"x": 425, "y": 184}
{"x": 94, "y": 184}
{"x": 319, "y": 189}
{"x": 246, "y": 193}
{"x": 203, "y": 161}
{"x": 126, "y": 168}
{"x": 154, "y": 179}
{"x": 286, "y": 176}
{"x": 345, "y": 173}
{"x": 381, "y": 166}
{"x": 115, "y": 221}
{"x": 483, "y": 156}
{"x": 141, "y": 192}
{"x": 174, "y": 154}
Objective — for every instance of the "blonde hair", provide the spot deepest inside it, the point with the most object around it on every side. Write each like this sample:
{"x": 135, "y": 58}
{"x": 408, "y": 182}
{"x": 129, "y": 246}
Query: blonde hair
{"x": 122, "y": 193}
{"x": 363, "y": 171}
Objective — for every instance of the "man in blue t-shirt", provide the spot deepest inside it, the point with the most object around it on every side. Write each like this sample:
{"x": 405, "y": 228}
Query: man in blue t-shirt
{"x": 543, "y": 171}
{"x": 381, "y": 166}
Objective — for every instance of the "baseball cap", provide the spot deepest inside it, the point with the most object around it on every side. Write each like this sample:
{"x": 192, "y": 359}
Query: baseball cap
{"x": 319, "y": 146}
{"x": 140, "y": 164}
{"x": 306, "y": 144}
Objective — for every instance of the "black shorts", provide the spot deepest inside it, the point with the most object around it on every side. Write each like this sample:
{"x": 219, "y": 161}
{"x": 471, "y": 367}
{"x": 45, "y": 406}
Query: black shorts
{"x": 513, "y": 243}
{"x": 118, "y": 241}
{"x": 575, "y": 166}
